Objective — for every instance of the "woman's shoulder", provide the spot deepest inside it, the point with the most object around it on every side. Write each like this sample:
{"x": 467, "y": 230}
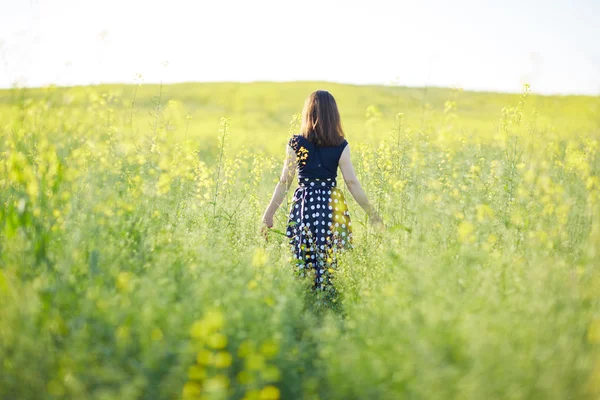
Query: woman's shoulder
{"x": 296, "y": 140}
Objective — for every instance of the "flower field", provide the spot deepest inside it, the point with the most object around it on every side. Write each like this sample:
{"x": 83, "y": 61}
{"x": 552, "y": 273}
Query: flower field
{"x": 131, "y": 264}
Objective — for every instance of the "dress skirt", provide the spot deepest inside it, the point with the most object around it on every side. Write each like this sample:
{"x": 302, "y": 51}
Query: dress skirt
{"x": 318, "y": 228}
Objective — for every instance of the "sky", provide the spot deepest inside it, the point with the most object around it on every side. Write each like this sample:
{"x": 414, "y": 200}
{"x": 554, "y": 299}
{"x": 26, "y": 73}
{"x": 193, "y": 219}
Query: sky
{"x": 476, "y": 45}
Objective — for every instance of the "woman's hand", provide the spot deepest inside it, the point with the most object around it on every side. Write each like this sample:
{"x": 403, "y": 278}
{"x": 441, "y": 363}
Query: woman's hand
{"x": 377, "y": 223}
{"x": 267, "y": 223}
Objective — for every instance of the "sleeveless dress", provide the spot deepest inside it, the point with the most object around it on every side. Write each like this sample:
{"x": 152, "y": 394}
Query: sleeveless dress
{"x": 319, "y": 223}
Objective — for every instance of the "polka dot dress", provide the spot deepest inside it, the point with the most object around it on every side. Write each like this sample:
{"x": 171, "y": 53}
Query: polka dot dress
{"x": 319, "y": 227}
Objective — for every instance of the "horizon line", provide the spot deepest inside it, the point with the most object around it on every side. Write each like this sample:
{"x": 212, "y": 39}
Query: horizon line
{"x": 375, "y": 84}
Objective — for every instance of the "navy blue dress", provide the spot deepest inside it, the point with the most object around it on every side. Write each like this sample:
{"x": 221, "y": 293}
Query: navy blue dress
{"x": 319, "y": 223}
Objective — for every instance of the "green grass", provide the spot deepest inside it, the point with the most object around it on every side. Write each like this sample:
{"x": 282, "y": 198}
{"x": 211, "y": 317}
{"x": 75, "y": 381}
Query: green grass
{"x": 131, "y": 265}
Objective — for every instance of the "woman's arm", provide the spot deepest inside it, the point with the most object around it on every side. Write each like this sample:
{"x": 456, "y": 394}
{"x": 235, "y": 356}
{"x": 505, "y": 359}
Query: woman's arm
{"x": 285, "y": 180}
{"x": 355, "y": 187}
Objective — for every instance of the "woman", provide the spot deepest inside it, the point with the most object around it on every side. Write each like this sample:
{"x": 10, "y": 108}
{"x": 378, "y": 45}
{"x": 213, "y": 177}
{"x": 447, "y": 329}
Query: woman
{"x": 319, "y": 222}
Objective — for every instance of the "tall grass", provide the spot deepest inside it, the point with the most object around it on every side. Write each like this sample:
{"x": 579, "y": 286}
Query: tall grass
{"x": 134, "y": 269}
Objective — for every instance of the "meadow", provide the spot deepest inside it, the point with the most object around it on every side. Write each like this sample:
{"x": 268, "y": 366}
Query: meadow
{"x": 131, "y": 264}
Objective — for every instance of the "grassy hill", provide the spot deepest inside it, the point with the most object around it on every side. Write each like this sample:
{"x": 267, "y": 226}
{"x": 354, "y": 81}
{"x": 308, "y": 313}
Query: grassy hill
{"x": 261, "y": 112}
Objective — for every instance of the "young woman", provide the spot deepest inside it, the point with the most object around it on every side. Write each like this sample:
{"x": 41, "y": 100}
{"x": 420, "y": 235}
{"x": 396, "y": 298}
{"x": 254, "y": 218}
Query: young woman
{"x": 319, "y": 222}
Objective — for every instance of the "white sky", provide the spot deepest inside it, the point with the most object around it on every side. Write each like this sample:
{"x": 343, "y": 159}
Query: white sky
{"x": 474, "y": 44}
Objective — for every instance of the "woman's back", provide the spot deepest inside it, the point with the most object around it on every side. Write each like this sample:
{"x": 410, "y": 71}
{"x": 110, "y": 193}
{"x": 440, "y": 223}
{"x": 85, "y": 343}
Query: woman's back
{"x": 316, "y": 162}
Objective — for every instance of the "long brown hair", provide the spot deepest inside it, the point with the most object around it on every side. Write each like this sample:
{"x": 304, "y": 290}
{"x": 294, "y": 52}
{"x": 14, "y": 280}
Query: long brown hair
{"x": 321, "y": 123}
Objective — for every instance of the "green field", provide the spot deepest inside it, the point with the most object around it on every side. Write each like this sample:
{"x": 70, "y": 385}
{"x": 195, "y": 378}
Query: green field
{"x": 131, "y": 266}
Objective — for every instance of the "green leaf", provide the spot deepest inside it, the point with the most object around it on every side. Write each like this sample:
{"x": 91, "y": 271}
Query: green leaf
{"x": 278, "y": 232}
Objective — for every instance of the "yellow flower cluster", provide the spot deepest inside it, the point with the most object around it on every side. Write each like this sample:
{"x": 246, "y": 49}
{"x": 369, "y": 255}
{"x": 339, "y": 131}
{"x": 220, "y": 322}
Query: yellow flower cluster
{"x": 211, "y": 374}
{"x": 207, "y": 378}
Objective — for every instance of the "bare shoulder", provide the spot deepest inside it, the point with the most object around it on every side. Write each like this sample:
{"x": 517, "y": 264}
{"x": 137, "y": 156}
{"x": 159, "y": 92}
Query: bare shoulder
{"x": 346, "y": 152}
